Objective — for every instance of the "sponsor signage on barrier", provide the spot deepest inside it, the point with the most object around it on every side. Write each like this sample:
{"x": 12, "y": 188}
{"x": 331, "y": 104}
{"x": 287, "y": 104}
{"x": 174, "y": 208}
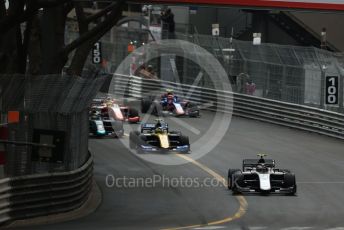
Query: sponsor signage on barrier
{"x": 296, "y": 4}
{"x": 332, "y": 88}
{"x": 97, "y": 53}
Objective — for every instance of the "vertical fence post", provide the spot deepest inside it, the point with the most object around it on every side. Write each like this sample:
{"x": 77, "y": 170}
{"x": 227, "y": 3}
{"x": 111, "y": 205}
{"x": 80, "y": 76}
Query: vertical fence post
{"x": 322, "y": 89}
{"x": 341, "y": 93}
{"x": 284, "y": 85}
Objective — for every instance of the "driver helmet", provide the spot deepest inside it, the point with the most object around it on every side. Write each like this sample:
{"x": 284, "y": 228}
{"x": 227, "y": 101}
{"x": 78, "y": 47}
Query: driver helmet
{"x": 158, "y": 123}
{"x": 159, "y": 130}
{"x": 169, "y": 92}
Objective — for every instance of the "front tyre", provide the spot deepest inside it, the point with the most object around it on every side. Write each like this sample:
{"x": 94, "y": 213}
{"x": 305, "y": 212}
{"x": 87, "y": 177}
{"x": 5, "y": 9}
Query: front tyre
{"x": 184, "y": 140}
{"x": 133, "y": 139}
{"x": 290, "y": 182}
{"x": 231, "y": 172}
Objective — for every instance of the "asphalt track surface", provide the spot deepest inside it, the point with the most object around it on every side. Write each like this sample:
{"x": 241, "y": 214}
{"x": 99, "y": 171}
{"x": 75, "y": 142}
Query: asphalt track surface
{"x": 317, "y": 161}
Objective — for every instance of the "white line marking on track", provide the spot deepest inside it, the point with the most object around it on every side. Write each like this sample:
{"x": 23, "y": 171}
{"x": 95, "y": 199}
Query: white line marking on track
{"x": 257, "y": 228}
{"x": 211, "y": 227}
{"x": 296, "y": 228}
{"x": 320, "y": 182}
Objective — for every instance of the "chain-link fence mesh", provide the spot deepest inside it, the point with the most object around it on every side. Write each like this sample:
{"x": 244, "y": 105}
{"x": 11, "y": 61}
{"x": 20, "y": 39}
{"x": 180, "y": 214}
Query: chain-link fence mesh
{"x": 47, "y": 105}
{"x": 279, "y": 72}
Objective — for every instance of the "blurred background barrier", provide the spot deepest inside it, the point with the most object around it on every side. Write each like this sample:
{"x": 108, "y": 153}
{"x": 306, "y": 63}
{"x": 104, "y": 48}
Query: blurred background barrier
{"x": 44, "y": 194}
{"x": 277, "y": 112}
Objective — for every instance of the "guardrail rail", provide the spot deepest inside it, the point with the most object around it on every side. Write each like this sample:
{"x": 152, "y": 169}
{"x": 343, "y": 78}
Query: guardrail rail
{"x": 44, "y": 194}
{"x": 277, "y": 112}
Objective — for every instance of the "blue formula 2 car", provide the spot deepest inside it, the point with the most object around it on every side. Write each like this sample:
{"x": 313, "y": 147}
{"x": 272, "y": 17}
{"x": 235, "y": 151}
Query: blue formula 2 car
{"x": 169, "y": 104}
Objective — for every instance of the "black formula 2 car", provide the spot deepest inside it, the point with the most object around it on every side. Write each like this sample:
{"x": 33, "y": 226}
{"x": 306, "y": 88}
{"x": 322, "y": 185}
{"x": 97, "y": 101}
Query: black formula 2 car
{"x": 261, "y": 176}
{"x": 156, "y": 137}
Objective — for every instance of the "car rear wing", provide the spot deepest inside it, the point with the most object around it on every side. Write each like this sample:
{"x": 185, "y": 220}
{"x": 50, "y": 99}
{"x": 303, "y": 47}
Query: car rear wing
{"x": 252, "y": 163}
{"x": 152, "y": 126}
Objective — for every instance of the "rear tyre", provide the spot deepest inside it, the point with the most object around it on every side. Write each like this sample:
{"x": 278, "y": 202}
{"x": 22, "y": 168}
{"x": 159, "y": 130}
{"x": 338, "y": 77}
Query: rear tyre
{"x": 145, "y": 105}
{"x": 133, "y": 113}
{"x": 231, "y": 172}
{"x": 157, "y": 109}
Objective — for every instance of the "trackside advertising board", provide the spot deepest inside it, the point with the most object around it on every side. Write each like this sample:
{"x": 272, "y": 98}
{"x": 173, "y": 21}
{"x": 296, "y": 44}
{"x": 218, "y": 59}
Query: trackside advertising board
{"x": 294, "y": 4}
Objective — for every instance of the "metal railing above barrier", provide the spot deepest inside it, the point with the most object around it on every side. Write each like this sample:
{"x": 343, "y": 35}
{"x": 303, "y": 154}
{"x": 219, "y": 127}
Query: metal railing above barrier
{"x": 267, "y": 110}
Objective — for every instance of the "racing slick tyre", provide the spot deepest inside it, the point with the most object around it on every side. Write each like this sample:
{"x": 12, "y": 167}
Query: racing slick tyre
{"x": 290, "y": 181}
{"x": 157, "y": 109}
{"x": 141, "y": 140}
{"x": 119, "y": 134}
{"x": 285, "y": 170}
{"x": 116, "y": 128}
{"x": 132, "y": 113}
{"x": 184, "y": 140}
{"x": 235, "y": 190}
{"x": 133, "y": 139}
{"x": 145, "y": 105}
{"x": 231, "y": 172}
{"x": 192, "y": 109}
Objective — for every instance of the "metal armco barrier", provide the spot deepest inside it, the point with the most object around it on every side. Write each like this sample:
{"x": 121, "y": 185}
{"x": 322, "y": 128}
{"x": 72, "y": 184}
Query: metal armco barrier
{"x": 44, "y": 194}
{"x": 281, "y": 113}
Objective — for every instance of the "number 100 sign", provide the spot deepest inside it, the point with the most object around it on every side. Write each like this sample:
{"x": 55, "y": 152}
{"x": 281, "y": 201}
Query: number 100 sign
{"x": 332, "y": 88}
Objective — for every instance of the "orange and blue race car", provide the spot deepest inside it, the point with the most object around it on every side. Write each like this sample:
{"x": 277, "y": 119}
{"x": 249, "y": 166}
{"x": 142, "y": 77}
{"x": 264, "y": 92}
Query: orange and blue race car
{"x": 169, "y": 104}
{"x": 112, "y": 109}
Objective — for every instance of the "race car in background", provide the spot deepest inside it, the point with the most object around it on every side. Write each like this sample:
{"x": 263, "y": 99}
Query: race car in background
{"x": 156, "y": 137}
{"x": 100, "y": 126}
{"x": 169, "y": 104}
{"x": 261, "y": 176}
{"x": 110, "y": 108}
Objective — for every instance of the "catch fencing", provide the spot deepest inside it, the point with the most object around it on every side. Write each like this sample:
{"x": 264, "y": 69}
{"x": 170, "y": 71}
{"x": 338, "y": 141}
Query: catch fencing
{"x": 292, "y": 74}
{"x": 286, "y": 73}
{"x": 281, "y": 113}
